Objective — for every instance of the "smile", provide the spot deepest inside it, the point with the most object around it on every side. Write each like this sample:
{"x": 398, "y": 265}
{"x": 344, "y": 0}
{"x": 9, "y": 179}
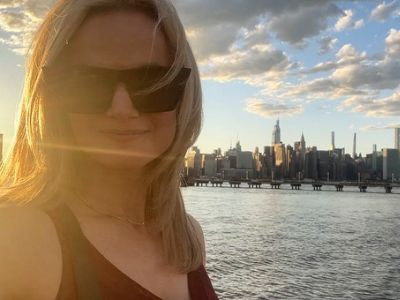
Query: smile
{"x": 125, "y": 132}
{"x": 124, "y": 135}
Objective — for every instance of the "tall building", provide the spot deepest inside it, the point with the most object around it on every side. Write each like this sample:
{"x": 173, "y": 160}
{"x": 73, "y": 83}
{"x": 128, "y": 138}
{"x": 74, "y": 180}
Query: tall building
{"x": 333, "y": 140}
{"x": 303, "y": 142}
{"x": 355, "y": 146}
{"x": 374, "y": 157}
{"x": 208, "y": 165}
{"x": 257, "y": 163}
{"x": 310, "y": 164}
{"x": 302, "y": 152}
{"x": 268, "y": 161}
{"x": 397, "y": 138}
{"x": 391, "y": 164}
{"x": 323, "y": 162}
{"x": 193, "y": 162}
{"x": 276, "y": 134}
{"x": 280, "y": 161}
{"x": 245, "y": 160}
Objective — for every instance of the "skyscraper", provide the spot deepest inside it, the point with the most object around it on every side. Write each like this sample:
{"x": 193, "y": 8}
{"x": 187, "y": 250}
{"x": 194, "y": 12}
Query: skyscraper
{"x": 374, "y": 157}
{"x": 391, "y": 164}
{"x": 355, "y": 146}
{"x": 301, "y": 148}
{"x": 333, "y": 140}
{"x": 397, "y": 138}
{"x": 276, "y": 134}
{"x": 303, "y": 142}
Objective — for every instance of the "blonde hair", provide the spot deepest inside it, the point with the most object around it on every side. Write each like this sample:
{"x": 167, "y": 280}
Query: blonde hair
{"x": 33, "y": 174}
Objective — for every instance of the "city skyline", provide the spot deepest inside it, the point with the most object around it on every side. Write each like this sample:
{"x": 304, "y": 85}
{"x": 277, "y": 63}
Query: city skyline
{"x": 318, "y": 66}
{"x": 276, "y": 135}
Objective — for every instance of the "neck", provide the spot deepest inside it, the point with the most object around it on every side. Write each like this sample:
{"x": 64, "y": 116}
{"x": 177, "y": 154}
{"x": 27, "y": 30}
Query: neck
{"x": 114, "y": 192}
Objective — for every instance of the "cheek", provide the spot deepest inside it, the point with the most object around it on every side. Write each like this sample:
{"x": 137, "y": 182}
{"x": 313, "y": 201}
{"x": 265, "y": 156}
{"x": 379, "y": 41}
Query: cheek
{"x": 164, "y": 125}
{"x": 81, "y": 126}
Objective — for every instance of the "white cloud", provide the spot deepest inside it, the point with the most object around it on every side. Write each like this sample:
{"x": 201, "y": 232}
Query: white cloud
{"x": 373, "y": 107}
{"x": 14, "y": 21}
{"x": 11, "y": 3}
{"x": 345, "y": 56}
{"x": 380, "y": 127}
{"x": 354, "y": 74}
{"x": 348, "y": 54}
{"x": 247, "y": 64}
{"x": 346, "y": 21}
{"x": 383, "y": 11}
{"x": 393, "y": 44}
{"x": 327, "y": 44}
{"x": 271, "y": 109}
{"x": 21, "y": 18}
{"x": 358, "y": 24}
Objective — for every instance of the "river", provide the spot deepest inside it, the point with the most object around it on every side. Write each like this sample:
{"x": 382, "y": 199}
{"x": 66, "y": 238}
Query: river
{"x": 284, "y": 244}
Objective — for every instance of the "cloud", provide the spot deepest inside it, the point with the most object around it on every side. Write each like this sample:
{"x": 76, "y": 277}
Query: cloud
{"x": 380, "y": 127}
{"x": 247, "y": 64}
{"x": 292, "y": 21}
{"x": 359, "y": 24}
{"x": 295, "y": 26}
{"x": 373, "y": 107}
{"x": 345, "y": 56}
{"x": 14, "y": 21}
{"x": 349, "y": 55}
{"x": 18, "y": 43}
{"x": 383, "y": 11}
{"x": 346, "y": 21}
{"x": 326, "y": 44}
{"x": 11, "y": 3}
{"x": 219, "y": 40}
{"x": 353, "y": 73}
{"x": 20, "y": 19}
{"x": 269, "y": 109}
{"x": 393, "y": 44}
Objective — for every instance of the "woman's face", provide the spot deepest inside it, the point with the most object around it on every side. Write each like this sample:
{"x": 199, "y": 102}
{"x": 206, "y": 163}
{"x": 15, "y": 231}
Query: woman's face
{"x": 122, "y": 137}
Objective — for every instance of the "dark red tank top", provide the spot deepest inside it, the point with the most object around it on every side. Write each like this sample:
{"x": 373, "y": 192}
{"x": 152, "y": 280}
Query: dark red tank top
{"x": 88, "y": 275}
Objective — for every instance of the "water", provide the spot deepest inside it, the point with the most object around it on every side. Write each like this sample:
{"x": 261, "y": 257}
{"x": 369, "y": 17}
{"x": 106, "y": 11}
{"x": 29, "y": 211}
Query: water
{"x": 284, "y": 244}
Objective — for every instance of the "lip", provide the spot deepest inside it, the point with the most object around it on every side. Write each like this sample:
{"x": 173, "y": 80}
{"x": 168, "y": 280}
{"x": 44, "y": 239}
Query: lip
{"x": 124, "y": 135}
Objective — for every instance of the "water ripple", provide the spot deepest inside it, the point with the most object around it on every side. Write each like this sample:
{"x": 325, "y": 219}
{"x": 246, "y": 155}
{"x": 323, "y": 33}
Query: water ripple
{"x": 267, "y": 244}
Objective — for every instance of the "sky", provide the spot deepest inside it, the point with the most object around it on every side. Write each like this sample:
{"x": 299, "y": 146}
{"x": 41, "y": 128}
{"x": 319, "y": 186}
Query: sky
{"x": 319, "y": 66}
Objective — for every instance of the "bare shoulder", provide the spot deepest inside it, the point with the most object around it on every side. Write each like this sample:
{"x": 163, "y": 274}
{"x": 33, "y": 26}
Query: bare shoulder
{"x": 199, "y": 232}
{"x": 30, "y": 254}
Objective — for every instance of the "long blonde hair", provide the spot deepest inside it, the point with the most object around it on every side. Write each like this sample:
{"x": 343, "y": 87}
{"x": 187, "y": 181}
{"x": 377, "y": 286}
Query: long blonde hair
{"x": 33, "y": 174}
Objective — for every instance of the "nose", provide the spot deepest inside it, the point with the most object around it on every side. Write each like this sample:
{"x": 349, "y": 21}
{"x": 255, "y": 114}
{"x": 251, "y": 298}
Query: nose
{"x": 121, "y": 104}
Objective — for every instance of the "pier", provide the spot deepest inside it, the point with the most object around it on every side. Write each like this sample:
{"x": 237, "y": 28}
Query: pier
{"x": 387, "y": 187}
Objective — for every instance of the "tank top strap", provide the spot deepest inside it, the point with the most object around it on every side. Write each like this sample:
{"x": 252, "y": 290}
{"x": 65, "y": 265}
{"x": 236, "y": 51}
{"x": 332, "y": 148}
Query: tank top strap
{"x": 86, "y": 282}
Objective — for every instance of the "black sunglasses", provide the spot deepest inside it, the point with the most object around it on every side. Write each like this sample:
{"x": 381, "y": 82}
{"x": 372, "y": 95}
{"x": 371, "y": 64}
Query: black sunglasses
{"x": 89, "y": 90}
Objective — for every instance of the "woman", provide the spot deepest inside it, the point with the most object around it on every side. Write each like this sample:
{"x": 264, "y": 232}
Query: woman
{"x": 90, "y": 191}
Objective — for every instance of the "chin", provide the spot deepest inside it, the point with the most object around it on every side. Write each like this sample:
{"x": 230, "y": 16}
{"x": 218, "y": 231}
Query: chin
{"x": 120, "y": 162}
{"x": 132, "y": 158}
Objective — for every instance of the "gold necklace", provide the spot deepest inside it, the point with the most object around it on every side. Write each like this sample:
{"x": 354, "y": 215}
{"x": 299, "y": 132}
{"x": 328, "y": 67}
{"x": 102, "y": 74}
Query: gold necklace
{"x": 126, "y": 219}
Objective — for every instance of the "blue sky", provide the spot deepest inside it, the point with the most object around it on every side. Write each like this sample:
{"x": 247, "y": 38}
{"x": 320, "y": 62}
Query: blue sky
{"x": 318, "y": 66}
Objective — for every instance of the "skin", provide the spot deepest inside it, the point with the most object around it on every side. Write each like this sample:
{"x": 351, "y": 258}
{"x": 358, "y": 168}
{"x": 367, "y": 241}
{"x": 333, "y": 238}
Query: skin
{"x": 115, "y": 40}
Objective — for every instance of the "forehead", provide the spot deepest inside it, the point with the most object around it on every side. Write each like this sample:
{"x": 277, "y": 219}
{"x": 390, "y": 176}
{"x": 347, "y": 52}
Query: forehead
{"x": 119, "y": 40}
